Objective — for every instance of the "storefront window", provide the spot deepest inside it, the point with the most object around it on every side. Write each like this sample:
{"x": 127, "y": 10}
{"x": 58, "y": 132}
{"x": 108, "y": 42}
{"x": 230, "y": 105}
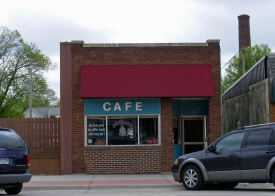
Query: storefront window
{"x": 122, "y": 130}
{"x": 148, "y": 130}
{"x": 96, "y": 131}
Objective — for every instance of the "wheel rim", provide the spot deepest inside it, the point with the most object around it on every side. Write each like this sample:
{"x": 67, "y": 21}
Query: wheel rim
{"x": 190, "y": 178}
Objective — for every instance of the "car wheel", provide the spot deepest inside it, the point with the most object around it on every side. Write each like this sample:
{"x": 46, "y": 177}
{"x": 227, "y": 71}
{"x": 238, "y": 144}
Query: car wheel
{"x": 228, "y": 185}
{"x": 192, "y": 178}
{"x": 14, "y": 190}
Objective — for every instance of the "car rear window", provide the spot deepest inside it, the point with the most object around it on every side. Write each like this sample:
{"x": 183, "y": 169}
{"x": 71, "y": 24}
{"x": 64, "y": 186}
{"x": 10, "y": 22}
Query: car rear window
{"x": 10, "y": 141}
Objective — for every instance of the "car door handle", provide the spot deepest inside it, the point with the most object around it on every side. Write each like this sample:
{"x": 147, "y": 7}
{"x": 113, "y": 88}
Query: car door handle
{"x": 233, "y": 155}
{"x": 270, "y": 151}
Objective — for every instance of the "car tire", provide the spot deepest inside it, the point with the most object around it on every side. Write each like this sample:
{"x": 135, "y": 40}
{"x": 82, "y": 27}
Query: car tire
{"x": 273, "y": 177}
{"x": 228, "y": 185}
{"x": 14, "y": 190}
{"x": 192, "y": 178}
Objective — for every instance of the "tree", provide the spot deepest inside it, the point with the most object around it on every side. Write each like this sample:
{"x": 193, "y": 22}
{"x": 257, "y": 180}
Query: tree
{"x": 235, "y": 69}
{"x": 16, "y": 57}
{"x": 46, "y": 99}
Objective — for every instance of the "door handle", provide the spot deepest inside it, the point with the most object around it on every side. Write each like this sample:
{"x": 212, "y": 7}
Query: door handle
{"x": 233, "y": 155}
{"x": 270, "y": 151}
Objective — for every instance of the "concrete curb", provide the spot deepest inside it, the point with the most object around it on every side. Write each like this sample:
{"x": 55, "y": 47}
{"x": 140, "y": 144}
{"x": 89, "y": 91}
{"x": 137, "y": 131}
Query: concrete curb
{"x": 89, "y": 187}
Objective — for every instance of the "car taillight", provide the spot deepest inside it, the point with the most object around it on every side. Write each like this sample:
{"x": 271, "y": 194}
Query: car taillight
{"x": 28, "y": 160}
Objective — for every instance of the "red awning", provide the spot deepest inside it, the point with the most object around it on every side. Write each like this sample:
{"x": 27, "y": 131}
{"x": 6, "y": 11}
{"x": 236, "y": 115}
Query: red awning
{"x": 141, "y": 81}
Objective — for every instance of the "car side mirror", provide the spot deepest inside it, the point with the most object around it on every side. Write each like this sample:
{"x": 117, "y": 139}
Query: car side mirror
{"x": 211, "y": 148}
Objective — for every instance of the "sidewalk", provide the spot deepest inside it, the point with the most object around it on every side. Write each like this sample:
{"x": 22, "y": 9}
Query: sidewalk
{"x": 86, "y": 181}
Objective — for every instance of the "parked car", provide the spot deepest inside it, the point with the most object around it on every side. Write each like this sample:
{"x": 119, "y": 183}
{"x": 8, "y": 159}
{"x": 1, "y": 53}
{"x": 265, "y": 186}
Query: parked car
{"x": 14, "y": 162}
{"x": 244, "y": 155}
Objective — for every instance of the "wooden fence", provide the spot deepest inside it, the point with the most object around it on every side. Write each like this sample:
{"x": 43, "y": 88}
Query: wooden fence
{"x": 41, "y": 135}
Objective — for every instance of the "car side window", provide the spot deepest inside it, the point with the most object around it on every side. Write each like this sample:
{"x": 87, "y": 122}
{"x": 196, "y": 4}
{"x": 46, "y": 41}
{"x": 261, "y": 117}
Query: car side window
{"x": 230, "y": 142}
{"x": 272, "y": 138}
{"x": 258, "y": 138}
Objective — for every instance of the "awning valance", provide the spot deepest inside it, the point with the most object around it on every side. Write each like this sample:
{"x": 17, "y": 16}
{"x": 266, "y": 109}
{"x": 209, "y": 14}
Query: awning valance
{"x": 141, "y": 81}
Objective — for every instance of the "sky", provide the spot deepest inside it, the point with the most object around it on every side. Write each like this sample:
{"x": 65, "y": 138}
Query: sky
{"x": 47, "y": 23}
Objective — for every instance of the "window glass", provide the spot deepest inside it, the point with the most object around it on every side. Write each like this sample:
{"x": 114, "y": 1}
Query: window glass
{"x": 148, "y": 130}
{"x": 122, "y": 130}
{"x": 193, "y": 130}
{"x": 258, "y": 138}
{"x": 272, "y": 138}
{"x": 96, "y": 130}
{"x": 230, "y": 142}
{"x": 176, "y": 129}
{"x": 10, "y": 140}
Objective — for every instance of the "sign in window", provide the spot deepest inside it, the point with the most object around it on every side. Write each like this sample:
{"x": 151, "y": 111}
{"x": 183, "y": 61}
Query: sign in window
{"x": 123, "y": 130}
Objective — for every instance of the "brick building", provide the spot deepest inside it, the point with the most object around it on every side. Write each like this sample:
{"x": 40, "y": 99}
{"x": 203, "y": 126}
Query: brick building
{"x": 134, "y": 108}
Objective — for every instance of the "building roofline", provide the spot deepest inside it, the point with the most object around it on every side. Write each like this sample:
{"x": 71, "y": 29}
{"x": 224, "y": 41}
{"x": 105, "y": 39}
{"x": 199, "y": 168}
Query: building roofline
{"x": 118, "y": 45}
{"x": 34, "y": 111}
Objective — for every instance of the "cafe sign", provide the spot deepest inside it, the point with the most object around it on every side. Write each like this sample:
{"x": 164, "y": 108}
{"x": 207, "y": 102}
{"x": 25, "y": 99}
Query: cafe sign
{"x": 121, "y": 106}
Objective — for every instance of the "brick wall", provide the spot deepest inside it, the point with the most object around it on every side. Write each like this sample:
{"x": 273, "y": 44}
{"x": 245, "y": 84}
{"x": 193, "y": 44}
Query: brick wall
{"x": 244, "y": 31}
{"x": 130, "y": 55}
{"x": 215, "y": 102}
{"x": 123, "y": 159}
{"x": 166, "y": 134}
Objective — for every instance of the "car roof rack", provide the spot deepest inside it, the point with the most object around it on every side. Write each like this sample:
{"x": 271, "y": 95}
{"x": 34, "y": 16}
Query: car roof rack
{"x": 254, "y": 126}
{"x": 3, "y": 128}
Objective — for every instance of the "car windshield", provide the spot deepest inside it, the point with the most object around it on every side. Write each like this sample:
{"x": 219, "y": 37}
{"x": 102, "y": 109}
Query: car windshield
{"x": 10, "y": 141}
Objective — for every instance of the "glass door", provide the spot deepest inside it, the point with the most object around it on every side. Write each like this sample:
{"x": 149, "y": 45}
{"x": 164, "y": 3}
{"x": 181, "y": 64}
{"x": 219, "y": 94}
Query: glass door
{"x": 193, "y": 134}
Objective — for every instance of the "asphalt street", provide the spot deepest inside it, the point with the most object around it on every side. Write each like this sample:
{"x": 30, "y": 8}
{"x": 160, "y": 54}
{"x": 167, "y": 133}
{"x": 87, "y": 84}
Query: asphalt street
{"x": 158, "y": 191}
{"x": 128, "y": 185}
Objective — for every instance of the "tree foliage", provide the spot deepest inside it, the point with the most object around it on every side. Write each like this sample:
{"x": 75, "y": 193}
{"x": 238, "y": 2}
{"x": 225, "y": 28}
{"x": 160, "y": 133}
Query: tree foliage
{"x": 46, "y": 99}
{"x": 16, "y": 58}
{"x": 235, "y": 68}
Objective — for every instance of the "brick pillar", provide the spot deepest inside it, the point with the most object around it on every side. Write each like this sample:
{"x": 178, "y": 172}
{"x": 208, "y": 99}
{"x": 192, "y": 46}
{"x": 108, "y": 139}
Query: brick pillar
{"x": 66, "y": 109}
{"x": 166, "y": 134}
{"x": 244, "y": 31}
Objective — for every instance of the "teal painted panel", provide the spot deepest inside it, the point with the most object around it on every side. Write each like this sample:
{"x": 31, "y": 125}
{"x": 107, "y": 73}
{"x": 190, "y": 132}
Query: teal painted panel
{"x": 176, "y": 105}
{"x": 121, "y": 106}
{"x": 194, "y": 107}
{"x": 177, "y": 151}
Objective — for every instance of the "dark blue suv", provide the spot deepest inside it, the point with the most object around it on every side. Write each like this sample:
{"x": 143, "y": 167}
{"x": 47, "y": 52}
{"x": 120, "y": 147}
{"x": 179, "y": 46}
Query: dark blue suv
{"x": 14, "y": 162}
{"x": 244, "y": 155}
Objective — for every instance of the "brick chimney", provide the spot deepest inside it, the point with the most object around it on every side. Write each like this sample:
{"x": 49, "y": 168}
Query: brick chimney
{"x": 244, "y": 31}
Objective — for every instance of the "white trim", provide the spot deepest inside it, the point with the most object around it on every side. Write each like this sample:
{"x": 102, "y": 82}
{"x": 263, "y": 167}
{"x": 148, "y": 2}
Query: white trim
{"x": 85, "y": 130}
{"x": 138, "y": 129}
{"x": 204, "y": 124}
